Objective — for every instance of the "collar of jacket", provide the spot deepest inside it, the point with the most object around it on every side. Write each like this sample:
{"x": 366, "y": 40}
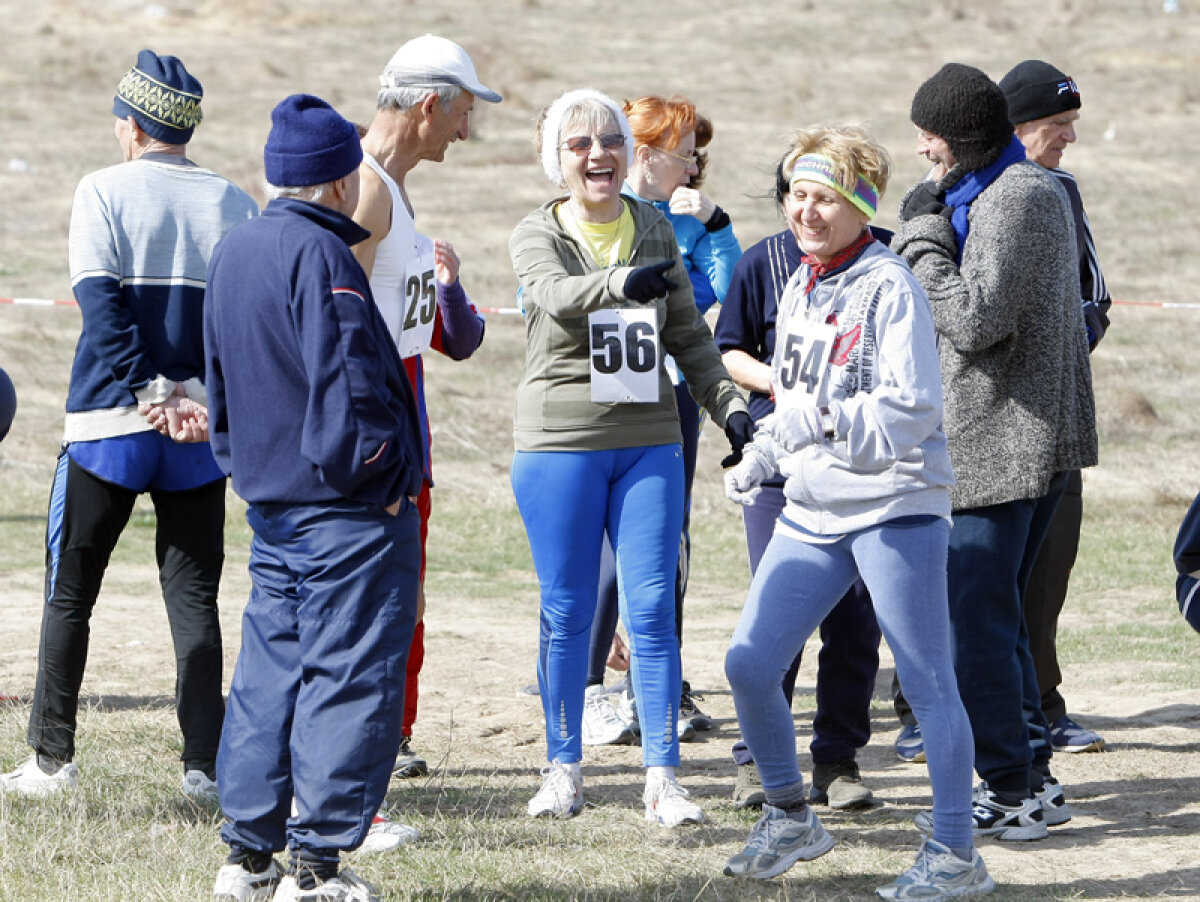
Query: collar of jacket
{"x": 338, "y": 223}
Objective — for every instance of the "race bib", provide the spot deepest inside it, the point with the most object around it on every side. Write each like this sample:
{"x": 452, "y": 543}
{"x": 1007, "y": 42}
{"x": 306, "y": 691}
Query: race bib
{"x": 419, "y": 307}
{"x": 801, "y": 362}
{"x": 624, "y": 355}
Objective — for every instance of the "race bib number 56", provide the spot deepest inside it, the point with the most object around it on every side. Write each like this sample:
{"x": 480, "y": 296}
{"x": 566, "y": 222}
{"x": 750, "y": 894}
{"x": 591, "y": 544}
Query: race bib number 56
{"x": 624, "y": 355}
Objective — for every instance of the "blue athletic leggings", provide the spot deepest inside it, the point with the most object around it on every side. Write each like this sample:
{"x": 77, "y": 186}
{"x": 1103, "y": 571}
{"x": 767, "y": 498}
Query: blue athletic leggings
{"x": 567, "y": 500}
{"x": 795, "y": 587}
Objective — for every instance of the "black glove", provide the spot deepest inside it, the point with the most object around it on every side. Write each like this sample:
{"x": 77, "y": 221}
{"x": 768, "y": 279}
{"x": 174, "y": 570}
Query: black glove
{"x": 1096, "y": 321}
{"x": 649, "y": 282}
{"x": 925, "y": 199}
{"x": 739, "y": 429}
{"x": 717, "y": 221}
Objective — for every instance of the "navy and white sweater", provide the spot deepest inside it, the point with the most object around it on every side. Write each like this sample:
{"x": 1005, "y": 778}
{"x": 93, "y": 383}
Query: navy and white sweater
{"x": 140, "y": 240}
{"x": 308, "y": 400}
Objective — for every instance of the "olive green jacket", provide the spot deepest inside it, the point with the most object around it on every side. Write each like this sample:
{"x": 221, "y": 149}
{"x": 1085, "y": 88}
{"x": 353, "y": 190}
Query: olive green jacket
{"x": 560, "y": 285}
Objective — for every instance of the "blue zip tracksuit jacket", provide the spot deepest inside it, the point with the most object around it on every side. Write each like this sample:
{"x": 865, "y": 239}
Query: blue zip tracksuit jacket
{"x": 313, "y": 418}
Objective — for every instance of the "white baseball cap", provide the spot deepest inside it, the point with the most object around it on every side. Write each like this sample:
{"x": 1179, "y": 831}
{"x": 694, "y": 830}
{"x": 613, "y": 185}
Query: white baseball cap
{"x": 430, "y": 61}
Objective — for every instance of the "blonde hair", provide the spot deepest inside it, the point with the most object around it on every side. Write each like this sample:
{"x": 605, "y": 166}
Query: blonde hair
{"x": 852, "y": 150}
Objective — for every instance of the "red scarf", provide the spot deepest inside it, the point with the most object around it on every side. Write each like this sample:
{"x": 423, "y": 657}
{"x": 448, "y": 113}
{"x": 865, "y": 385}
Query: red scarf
{"x": 818, "y": 270}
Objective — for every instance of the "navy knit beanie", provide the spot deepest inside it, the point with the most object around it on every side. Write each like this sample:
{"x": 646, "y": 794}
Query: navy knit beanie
{"x": 1036, "y": 90}
{"x": 8, "y": 403}
{"x": 162, "y": 96}
{"x": 309, "y": 144}
{"x": 966, "y": 109}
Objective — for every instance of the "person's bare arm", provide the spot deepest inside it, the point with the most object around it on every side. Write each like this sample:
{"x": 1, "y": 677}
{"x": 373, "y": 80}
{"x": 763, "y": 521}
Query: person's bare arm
{"x": 748, "y": 373}
{"x": 373, "y": 213}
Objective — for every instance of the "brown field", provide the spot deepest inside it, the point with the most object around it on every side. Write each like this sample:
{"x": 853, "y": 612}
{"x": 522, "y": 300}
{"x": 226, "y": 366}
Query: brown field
{"x": 758, "y": 70}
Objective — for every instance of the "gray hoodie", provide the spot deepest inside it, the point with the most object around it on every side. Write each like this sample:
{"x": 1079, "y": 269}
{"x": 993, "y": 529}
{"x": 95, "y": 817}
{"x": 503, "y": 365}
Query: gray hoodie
{"x": 888, "y": 457}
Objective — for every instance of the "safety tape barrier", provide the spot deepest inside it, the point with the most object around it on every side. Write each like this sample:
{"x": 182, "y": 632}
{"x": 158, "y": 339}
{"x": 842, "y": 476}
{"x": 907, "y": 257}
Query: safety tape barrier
{"x": 516, "y": 311}
{"x": 43, "y": 302}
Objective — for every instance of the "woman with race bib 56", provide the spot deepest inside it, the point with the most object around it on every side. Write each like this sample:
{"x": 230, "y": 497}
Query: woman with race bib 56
{"x": 597, "y": 435}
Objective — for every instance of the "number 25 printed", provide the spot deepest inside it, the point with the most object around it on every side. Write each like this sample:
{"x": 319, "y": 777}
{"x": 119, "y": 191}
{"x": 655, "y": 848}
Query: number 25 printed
{"x": 419, "y": 290}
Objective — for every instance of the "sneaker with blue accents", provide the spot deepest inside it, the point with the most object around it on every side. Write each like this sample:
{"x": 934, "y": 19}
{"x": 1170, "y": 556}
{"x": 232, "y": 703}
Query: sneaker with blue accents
{"x": 1055, "y": 810}
{"x": 910, "y": 744}
{"x": 991, "y": 817}
{"x": 940, "y": 874}
{"x": 1068, "y": 736}
{"x": 777, "y": 842}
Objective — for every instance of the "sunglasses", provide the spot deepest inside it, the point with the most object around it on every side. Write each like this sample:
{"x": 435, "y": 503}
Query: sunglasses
{"x": 689, "y": 159}
{"x": 583, "y": 143}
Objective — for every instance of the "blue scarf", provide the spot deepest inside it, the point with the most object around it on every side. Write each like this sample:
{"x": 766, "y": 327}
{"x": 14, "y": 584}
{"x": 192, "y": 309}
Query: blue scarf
{"x": 960, "y": 196}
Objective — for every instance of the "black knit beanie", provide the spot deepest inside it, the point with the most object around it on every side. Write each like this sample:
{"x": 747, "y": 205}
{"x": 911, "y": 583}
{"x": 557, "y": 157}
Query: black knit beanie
{"x": 1036, "y": 90}
{"x": 965, "y": 108}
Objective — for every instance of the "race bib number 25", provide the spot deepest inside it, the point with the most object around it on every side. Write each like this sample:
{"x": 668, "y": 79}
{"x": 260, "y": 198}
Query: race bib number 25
{"x": 420, "y": 307}
{"x": 624, "y": 355}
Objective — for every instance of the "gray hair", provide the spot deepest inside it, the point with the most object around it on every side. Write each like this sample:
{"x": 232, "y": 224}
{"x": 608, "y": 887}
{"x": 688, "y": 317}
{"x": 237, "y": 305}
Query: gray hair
{"x": 404, "y": 97}
{"x": 312, "y": 193}
{"x": 583, "y": 108}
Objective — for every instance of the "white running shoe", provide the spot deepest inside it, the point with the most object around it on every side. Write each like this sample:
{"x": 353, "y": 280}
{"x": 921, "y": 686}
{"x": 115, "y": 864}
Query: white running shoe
{"x": 602, "y": 725}
{"x": 1055, "y": 810}
{"x": 345, "y": 887}
{"x": 1023, "y": 822}
{"x": 940, "y": 874}
{"x": 386, "y": 835}
{"x": 667, "y": 802}
{"x": 561, "y": 794}
{"x": 777, "y": 842}
{"x": 236, "y": 884}
{"x": 196, "y": 785}
{"x": 30, "y": 780}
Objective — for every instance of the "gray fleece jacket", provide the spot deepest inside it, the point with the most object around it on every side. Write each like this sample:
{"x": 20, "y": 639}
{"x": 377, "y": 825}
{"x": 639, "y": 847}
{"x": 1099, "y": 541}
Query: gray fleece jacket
{"x": 888, "y": 456}
{"x": 1012, "y": 341}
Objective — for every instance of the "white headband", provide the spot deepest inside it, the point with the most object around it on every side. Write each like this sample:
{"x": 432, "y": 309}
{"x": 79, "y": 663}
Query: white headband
{"x": 552, "y": 127}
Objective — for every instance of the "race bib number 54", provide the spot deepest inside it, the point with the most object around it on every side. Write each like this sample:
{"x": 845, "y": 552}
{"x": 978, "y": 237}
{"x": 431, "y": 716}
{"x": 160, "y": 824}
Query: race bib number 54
{"x": 420, "y": 307}
{"x": 624, "y": 355}
{"x": 802, "y": 362}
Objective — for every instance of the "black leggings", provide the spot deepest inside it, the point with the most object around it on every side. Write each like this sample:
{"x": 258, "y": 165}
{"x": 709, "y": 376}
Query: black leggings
{"x": 85, "y": 520}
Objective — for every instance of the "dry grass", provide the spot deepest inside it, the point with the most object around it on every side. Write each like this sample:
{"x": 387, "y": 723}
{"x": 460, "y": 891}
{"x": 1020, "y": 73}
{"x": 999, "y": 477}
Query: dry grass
{"x": 759, "y": 70}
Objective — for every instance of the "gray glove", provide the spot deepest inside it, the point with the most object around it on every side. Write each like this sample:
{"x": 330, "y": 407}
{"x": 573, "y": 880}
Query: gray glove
{"x": 793, "y": 428}
{"x": 744, "y": 482}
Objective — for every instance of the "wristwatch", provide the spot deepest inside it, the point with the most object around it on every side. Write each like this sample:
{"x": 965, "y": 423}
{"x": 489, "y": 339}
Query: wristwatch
{"x": 827, "y": 424}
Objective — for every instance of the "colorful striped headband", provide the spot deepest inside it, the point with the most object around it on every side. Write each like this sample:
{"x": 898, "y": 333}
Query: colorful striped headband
{"x": 813, "y": 167}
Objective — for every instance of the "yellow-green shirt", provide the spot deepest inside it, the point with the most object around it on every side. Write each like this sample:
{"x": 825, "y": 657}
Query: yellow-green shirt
{"x": 609, "y": 243}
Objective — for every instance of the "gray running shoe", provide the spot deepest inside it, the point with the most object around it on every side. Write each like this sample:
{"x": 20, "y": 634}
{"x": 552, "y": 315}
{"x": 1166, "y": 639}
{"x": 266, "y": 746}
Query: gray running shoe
{"x": 777, "y": 842}
{"x": 940, "y": 874}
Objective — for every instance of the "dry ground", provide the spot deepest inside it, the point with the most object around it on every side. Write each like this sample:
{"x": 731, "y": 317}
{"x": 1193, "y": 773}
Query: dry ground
{"x": 759, "y": 70}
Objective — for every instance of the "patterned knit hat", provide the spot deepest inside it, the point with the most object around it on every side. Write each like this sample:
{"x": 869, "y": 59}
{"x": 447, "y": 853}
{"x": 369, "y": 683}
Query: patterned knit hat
{"x": 309, "y": 144}
{"x": 1036, "y": 90}
{"x": 162, "y": 96}
{"x": 965, "y": 108}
